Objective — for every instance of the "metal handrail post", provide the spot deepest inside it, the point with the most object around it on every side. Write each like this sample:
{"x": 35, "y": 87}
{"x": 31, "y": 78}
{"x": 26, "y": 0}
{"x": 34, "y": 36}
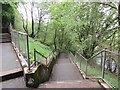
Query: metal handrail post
{"x": 46, "y": 61}
{"x": 15, "y": 38}
{"x": 103, "y": 70}
{"x": 35, "y": 56}
{"x": 25, "y": 48}
{"x": 11, "y": 35}
{"x": 28, "y": 52}
{"x": 19, "y": 41}
{"x": 86, "y": 67}
{"x": 75, "y": 59}
{"x": 80, "y": 61}
{"x": 101, "y": 60}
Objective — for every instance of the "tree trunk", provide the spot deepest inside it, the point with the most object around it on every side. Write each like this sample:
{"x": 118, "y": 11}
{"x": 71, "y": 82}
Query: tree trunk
{"x": 55, "y": 39}
{"x": 25, "y": 25}
{"x": 32, "y": 34}
{"x": 62, "y": 38}
{"x": 119, "y": 14}
{"x": 40, "y": 19}
{"x": 119, "y": 40}
{"x": 45, "y": 33}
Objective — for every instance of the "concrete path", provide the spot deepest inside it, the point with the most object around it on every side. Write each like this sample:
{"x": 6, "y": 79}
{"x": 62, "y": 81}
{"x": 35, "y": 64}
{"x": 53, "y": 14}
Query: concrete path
{"x": 14, "y": 83}
{"x": 71, "y": 84}
{"x": 65, "y": 70}
{"x": 66, "y": 75}
{"x": 9, "y": 61}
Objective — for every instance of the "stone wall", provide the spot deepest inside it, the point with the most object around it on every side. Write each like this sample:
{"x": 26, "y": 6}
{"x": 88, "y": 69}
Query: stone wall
{"x": 41, "y": 73}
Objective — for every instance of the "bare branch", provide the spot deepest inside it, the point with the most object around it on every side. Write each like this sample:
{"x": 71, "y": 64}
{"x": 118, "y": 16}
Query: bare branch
{"x": 107, "y": 5}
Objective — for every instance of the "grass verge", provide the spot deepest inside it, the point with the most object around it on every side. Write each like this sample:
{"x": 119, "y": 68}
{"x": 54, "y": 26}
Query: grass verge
{"x": 95, "y": 71}
{"x": 43, "y": 49}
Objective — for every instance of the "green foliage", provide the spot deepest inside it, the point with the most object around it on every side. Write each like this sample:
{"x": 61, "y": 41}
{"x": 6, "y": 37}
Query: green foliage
{"x": 86, "y": 26}
{"x": 18, "y": 24}
{"x": 7, "y": 12}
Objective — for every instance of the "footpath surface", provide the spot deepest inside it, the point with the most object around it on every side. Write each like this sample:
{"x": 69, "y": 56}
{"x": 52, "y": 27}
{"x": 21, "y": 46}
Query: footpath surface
{"x": 9, "y": 63}
{"x": 66, "y": 75}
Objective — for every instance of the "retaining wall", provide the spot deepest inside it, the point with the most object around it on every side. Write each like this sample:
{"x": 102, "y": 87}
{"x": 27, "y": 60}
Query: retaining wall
{"x": 40, "y": 73}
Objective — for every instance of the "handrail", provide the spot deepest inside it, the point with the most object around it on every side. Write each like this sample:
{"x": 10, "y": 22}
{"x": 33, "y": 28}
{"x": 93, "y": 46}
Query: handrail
{"x": 35, "y": 51}
{"x": 97, "y": 54}
{"x": 103, "y": 62}
{"x": 40, "y": 53}
{"x": 19, "y": 32}
{"x": 27, "y": 42}
{"x": 46, "y": 57}
{"x": 82, "y": 56}
{"x": 112, "y": 52}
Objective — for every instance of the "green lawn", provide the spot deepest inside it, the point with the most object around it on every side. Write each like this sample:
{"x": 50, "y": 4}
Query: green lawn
{"x": 43, "y": 49}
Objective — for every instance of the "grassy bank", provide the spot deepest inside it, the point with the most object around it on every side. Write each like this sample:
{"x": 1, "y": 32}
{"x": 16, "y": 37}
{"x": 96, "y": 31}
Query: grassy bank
{"x": 95, "y": 71}
{"x": 43, "y": 49}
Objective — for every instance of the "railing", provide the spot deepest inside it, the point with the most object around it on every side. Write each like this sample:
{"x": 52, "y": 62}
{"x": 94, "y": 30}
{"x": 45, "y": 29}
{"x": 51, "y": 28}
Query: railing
{"x": 103, "y": 64}
{"x": 38, "y": 57}
{"x": 21, "y": 42}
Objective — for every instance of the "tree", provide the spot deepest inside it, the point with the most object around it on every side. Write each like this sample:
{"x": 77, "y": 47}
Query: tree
{"x": 8, "y": 10}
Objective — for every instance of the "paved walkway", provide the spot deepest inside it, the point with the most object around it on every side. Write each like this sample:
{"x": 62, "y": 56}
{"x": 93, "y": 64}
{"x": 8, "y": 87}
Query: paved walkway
{"x": 65, "y": 70}
{"x": 9, "y": 61}
{"x": 14, "y": 83}
{"x": 66, "y": 75}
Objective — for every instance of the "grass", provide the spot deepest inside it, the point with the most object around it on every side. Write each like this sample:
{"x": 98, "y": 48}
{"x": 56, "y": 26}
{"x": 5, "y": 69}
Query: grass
{"x": 43, "y": 49}
{"x": 112, "y": 79}
{"x": 95, "y": 70}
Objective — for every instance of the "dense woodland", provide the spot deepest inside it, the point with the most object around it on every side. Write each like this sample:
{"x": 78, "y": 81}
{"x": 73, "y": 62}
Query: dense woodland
{"x": 86, "y": 27}
{"x": 72, "y": 26}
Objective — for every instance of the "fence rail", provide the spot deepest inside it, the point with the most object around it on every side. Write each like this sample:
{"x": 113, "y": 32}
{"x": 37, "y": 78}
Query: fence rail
{"x": 36, "y": 58}
{"x": 21, "y": 42}
{"x": 103, "y": 64}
